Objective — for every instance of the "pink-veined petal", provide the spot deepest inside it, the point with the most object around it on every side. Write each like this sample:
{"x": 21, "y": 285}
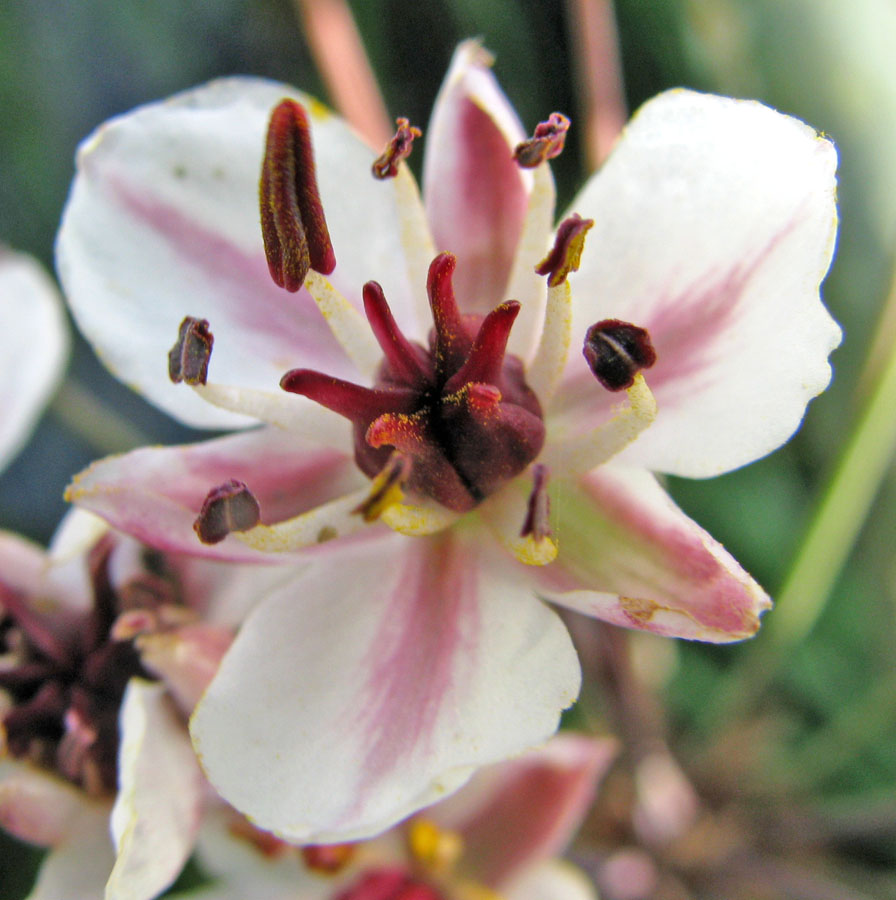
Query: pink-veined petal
{"x": 629, "y": 556}
{"x": 78, "y": 867}
{"x": 162, "y": 222}
{"x": 519, "y": 812}
{"x": 155, "y": 493}
{"x": 474, "y": 192}
{"x": 33, "y": 347}
{"x": 715, "y": 222}
{"x": 374, "y": 684}
{"x": 156, "y": 814}
{"x": 38, "y": 807}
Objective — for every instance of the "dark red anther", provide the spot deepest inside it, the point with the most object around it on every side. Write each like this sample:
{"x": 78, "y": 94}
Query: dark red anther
{"x": 546, "y": 143}
{"x": 398, "y": 148}
{"x": 188, "y": 358}
{"x": 567, "y": 250}
{"x": 293, "y": 225}
{"x": 538, "y": 510}
{"x": 616, "y": 351}
{"x": 227, "y": 508}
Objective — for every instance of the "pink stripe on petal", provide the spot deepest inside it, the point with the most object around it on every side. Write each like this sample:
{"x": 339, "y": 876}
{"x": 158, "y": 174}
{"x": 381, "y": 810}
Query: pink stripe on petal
{"x": 432, "y": 615}
{"x": 629, "y": 556}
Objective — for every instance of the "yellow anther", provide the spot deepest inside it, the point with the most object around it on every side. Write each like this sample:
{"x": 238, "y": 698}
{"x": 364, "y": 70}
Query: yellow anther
{"x": 435, "y": 849}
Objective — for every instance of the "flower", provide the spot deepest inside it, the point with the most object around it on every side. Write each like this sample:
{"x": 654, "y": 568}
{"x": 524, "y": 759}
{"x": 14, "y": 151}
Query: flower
{"x": 102, "y": 656}
{"x": 414, "y": 648}
{"x": 34, "y": 350}
{"x": 497, "y": 837}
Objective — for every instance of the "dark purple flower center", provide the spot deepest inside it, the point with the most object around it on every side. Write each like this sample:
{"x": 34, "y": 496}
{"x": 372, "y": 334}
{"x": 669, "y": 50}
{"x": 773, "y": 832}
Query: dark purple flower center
{"x": 458, "y": 413}
{"x": 66, "y": 675}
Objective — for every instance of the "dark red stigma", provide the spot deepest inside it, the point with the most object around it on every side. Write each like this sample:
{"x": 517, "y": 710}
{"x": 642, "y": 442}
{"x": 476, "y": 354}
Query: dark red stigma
{"x": 460, "y": 410}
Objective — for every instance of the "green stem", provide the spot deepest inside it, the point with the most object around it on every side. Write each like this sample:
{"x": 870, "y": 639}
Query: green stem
{"x": 828, "y": 542}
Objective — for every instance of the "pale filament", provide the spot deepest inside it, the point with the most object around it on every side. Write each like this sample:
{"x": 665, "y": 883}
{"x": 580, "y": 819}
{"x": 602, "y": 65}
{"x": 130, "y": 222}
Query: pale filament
{"x": 323, "y": 523}
{"x": 524, "y": 284}
{"x": 416, "y": 239}
{"x": 348, "y": 324}
{"x": 546, "y": 368}
{"x": 418, "y": 519}
{"x": 585, "y": 452}
{"x": 283, "y": 410}
{"x": 504, "y": 513}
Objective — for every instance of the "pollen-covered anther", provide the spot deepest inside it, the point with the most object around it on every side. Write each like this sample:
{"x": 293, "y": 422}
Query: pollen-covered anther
{"x": 398, "y": 148}
{"x": 546, "y": 142}
{"x": 188, "y": 358}
{"x": 227, "y": 508}
{"x": 293, "y": 225}
{"x": 537, "y": 524}
{"x": 567, "y": 250}
{"x": 386, "y": 488}
{"x": 616, "y": 351}
{"x": 436, "y": 850}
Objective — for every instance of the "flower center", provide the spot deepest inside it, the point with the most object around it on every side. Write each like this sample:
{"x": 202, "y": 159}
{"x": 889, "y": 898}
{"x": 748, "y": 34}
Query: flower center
{"x": 457, "y": 416}
{"x": 64, "y": 678}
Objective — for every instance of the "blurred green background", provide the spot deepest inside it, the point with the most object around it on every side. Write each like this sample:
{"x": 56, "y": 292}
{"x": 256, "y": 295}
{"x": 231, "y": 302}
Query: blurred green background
{"x": 819, "y": 738}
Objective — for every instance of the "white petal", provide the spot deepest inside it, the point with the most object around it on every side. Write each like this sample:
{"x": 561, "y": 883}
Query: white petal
{"x": 78, "y": 868}
{"x": 377, "y": 681}
{"x": 33, "y": 347}
{"x": 163, "y": 222}
{"x": 156, "y": 814}
{"x": 714, "y": 226}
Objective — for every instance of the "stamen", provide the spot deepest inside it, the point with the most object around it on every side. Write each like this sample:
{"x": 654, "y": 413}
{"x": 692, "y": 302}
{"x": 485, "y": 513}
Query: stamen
{"x": 227, "y": 508}
{"x": 585, "y": 452}
{"x": 567, "y": 250}
{"x": 616, "y": 351}
{"x": 292, "y": 217}
{"x": 419, "y": 519}
{"x": 398, "y": 148}
{"x": 348, "y": 326}
{"x": 336, "y": 519}
{"x": 386, "y": 488}
{"x": 188, "y": 358}
{"x": 546, "y": 143}
{"x": 407, "y": 361}
{"x": 538, "y": 512}
{"x": 546, "y": 369}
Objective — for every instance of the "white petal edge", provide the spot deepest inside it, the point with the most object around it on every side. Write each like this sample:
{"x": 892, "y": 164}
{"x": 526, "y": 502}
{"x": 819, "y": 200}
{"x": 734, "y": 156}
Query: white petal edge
{"x": 34, "y": 344}
{"x": 715, "y": 222}
{"x": 156, "y": 814}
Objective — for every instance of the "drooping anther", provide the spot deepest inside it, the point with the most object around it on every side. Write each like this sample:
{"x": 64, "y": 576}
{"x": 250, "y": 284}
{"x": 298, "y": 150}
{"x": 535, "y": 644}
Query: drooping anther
{"x": 229, "y": 507}
{"x": 546, "y": 142}
{"x": 188, "y": 358}
{"x": 398, "y": 148}
{"x": 537, "y": 524}
{"x": 328, "y": 858}
{"x": 293, "y": 226}
{"x": 616, "y": 351}
{"x": 386, "y": 488}
{"x": 566, "y": 253}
